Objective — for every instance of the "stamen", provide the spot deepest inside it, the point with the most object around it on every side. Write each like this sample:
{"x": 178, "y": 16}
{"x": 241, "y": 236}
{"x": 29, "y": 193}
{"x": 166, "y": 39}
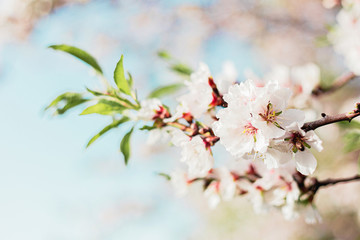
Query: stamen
{"x": 249, "y": 129}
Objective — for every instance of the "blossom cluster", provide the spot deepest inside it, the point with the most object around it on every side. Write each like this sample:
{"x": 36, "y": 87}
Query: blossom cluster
{"x": 346, "y": 34}
{"x": 264, "y": 125}
{"x": 253, "y": 123}
{"x": 266, "y": 190}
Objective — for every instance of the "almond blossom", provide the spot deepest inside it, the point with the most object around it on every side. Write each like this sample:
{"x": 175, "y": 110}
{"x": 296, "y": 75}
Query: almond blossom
{"x": 148, "y": 109}
{"x": 227, "y": 77}
{"x": 199, "y": 97}
{"x": 180, "y": 182}
{"x": 194, "y": 153}
{"x": 159, "y": 136}
{"x": 273, "y": 188}
{"x": 346, "y": 35}
{"x": 237, "y": 133}
{"x": 295, "y": 145}
{"x": 300, "y": 79}
{"x": 224, "y": 188}
{"x": 270, "y": 113}
{"x": 269, "y": 143}
{"x": 253, "y": 117}
{"x": 307, "y": 211}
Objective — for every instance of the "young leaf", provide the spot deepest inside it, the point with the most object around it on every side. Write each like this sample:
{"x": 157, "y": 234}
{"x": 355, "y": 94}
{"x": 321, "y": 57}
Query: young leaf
{"x": 148, "y": 128}
{"x": 114, "y": 124}
{"x": 125, "y": 146}
{"x": 165, "y": 90}
{"x": 350, "y": 125}
{"x": 120, "y": 79}
{"x": 164, "y": 54}
{"x": 322, "y": 41}
{"x": 130, "y": 80}
{"x": 95, "y": 93}
{"x": 104, "y": 107}
{"x": 81, "y": 54}
{"x": 352, "y": 141}
{"x": 182, "y": 69}
{"x": 166, "y": 176}
{"x": 68, "y": 100}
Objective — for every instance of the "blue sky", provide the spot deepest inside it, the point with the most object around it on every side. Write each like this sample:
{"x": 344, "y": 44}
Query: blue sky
{"x": 52, "y": 188}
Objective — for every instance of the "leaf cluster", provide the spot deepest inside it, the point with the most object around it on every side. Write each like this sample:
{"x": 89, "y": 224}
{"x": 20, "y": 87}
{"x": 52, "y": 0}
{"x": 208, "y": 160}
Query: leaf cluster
{"x": 115, "y": 102}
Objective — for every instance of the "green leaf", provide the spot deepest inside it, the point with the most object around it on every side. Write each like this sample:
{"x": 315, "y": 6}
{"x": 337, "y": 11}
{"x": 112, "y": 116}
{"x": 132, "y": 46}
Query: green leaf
{"x": 165, "y": 90}
{"x": 120, "y": 79}
{"x": 307, "y": 145}
{"x": 95, "y": 93}
{"x": 349, "y": 125}
{"x": 322, "y": 41}
{"x": 81, "y": 54}
{"x": 130, "y": 80}
{"x": 66, "y": 101}
{"x": 330, "y": 27}
{"x": 148, "y": 128}
{"x": 167, "y": 176}
{"x": 352, "y": 141}
{"x": 104, "y": 107}
{"x": 112, "y": 95}
{"x": 181, "y": 69}
{"x": 125, "y": 146}
{"x": 326, "y": 78}
{"x": 278, "y": 125}
{"x": 114, "y": 124}
{"x": 164, "y": 54}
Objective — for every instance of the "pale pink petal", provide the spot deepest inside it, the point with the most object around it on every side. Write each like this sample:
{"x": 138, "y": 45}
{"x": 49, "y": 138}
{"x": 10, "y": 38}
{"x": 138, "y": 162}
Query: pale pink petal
{"x": 305, "y": 162}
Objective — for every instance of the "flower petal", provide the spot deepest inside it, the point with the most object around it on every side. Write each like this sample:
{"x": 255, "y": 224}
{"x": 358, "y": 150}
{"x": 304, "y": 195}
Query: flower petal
{"x": 305, "y": 162}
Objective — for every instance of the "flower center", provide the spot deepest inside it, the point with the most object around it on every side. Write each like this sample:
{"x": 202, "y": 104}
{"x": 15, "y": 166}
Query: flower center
{"x": 249, "y": 129}
{"x": 269, "y": 115}
{"x": 298, "y": 142}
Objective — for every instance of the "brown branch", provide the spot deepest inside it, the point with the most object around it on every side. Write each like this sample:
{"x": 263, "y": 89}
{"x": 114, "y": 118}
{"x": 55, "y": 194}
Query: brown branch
{"x": 338, "y": 83}
{"x": 331, "y": 181}
{"x": 331, "y": 119}
{"x": 308, "y": 192}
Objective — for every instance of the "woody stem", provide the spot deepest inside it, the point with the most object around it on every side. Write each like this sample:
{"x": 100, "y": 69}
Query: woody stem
{"x": 328, "y": 119}
{"x": 339, "y": 83}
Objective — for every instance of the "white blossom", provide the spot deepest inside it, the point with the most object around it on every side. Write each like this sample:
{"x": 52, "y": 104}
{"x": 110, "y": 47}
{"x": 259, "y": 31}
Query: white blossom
{"x": 179, "y": 111}
{"x": 242, "y": 94}
{"x": 227, "y": 77}
{"x": 295, "y": 146}
{"x": 237, "y": 133}
{"x": 180, "y": 182}
{"x": 148, "y": 108}
{"x": 311, "y": 215}
{"x": 275, "y": 189}
{"x": 270, "y": 113}
{"x": 253, "y": 117}
{"x": 301, "y": 80}
{"x": 159, "y": 136}
{"x": 346, "y": 35}
{"x": 222, "y": 189}
{"x": 194, "y": 153}
{"x": 308, "y": 212}
{"x": 200, "y": 93}
{"x": 212, "y": 194}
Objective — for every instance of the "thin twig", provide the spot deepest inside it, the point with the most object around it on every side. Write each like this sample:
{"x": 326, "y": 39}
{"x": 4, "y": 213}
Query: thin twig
{"x": 338, "y": 83}
{"x": 327, "y": 119}
{"x": 308, "y": 192}
{"x": 331, "y": 181}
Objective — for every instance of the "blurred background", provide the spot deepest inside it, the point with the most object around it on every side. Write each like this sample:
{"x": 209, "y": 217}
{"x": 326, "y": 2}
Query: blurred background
{"x": 52, "y": 188}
